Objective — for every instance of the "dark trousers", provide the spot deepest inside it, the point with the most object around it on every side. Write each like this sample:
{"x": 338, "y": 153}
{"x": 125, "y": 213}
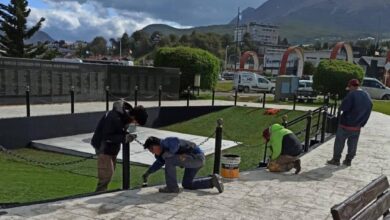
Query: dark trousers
{"x": 192, "y": 164}
{"x": 352, "y": 138}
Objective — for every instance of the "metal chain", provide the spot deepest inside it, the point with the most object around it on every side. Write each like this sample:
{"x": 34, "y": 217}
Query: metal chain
{"x": 119, "y": 98}
{"x": 207, "y": 139}
{"x": 29, "y": 160}
{"x": 239, "y": 143}
{"x": 201, "y": 143}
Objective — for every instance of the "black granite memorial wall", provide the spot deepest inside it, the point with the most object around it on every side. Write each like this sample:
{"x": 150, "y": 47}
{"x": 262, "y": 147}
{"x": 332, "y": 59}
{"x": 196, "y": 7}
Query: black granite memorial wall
{"x": 51, "y": 82}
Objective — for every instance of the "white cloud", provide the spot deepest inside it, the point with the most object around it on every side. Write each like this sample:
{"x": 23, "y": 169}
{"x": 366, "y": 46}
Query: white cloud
{"x": 84, "y": 21}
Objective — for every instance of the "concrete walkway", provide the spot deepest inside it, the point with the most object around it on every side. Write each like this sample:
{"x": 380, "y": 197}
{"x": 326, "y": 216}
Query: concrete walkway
{"x": 14, "y": 111}
{"x": 257, "y": 194}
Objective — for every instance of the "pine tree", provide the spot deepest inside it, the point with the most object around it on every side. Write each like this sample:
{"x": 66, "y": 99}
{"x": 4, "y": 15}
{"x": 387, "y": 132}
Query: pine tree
{"x": 13, "y": 25}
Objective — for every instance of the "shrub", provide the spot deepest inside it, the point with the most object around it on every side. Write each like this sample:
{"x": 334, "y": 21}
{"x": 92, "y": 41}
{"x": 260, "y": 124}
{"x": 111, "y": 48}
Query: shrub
{"x": 191, "y": 61}
{"x": 332, "y": 76}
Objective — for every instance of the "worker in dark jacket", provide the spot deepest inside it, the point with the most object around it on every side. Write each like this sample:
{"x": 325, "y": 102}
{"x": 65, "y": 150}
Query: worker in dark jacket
{"x": 285, "y": 148}
{"x": 356, "y": 110}
{"x": 175, "y": 152}
{"x": 110, "y": 133}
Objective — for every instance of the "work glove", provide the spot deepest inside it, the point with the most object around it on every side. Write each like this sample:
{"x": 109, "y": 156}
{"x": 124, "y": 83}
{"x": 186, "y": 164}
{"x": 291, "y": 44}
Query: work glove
{"x": 130, "y": 138}
{"x": 145, "y": 177}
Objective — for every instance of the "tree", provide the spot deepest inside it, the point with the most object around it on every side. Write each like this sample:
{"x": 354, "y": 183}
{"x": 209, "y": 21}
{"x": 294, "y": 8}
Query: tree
{"x": 309, "y": 68}
{"x": 98, "y": 46}
{"x": 325, "y": 46}
{"x": 191, "y": 61}
{"x": 333, "y": 75}
{"x": 285, "y": 42}
{"x": 317, "y": 45}
{"x": 13, "y": 19}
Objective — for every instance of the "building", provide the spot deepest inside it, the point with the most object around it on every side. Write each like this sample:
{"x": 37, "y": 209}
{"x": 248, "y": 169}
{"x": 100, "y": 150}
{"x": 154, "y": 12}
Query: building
{"x": 273, "y": 58}
{"x": 373, "y": 66}
{"x": 264, "y": 34}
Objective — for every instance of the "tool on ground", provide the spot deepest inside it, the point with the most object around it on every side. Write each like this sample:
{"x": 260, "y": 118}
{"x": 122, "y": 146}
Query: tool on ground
{"x": 264, "y": 162}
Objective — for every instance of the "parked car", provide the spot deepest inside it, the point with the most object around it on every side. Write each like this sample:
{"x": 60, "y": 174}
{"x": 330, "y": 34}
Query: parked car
{"x": 228, "y": 75}
{"x": 305, "y": 90}
{"x": 376, "y": 89}
{"x": 247, "y": 82}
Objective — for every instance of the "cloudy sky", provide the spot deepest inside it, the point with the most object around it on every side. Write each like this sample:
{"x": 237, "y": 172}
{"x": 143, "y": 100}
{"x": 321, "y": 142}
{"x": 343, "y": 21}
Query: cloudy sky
{"x": 85, "y": 19}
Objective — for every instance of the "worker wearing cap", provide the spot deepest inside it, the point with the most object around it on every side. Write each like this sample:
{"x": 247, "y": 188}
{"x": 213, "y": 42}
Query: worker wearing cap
{"x": 285, "y": 148}
{"x": 110, "y": 133}
{"x": 356, "y": 109}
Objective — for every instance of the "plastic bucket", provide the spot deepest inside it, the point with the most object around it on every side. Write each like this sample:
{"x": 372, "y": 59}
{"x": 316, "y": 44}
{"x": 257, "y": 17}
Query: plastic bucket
{"x": 230, "y": 166}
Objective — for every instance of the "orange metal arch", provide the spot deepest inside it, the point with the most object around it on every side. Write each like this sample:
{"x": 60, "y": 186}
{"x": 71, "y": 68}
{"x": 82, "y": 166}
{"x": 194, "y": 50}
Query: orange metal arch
{"x": 244, "y": 58}
{"x": 338, "y": 47}
{"x": 283, "y": 64}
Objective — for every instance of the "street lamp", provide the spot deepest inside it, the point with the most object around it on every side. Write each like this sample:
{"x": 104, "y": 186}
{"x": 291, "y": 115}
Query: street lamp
{"x": 120, "y": 48}
{"x": 227, "y": 46}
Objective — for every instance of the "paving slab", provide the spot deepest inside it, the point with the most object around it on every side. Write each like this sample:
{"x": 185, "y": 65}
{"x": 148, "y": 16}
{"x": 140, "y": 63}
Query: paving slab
{"x": 79, "y": 145}
{"x": 257, "y": 194}
{"x": 16, "y": 111}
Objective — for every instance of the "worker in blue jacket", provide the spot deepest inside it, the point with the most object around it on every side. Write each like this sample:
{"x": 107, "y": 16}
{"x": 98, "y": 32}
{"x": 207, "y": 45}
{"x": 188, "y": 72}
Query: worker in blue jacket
{"x": 356, "y": 109}
{"x": 173, "y": 152}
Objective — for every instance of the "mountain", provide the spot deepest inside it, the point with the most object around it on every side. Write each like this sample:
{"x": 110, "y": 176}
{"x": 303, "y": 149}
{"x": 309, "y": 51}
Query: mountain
{"x": 300, "y": 19}
{"x": 166, "y": 29}
{"x": 40, "y": 36}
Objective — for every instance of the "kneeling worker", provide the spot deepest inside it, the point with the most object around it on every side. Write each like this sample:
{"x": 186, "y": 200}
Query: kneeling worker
{"x": 285, "y": 148}
{"x": 175, "y": 152}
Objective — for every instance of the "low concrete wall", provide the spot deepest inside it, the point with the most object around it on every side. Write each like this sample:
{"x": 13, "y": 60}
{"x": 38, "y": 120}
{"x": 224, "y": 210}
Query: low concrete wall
{"x": 19, "y": 132}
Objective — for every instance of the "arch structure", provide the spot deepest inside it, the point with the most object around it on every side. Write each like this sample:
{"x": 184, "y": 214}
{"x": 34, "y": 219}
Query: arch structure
{"x": 336, "y": 49}
{"x": 283, "y": 64}
{"x": 244, "y": 58}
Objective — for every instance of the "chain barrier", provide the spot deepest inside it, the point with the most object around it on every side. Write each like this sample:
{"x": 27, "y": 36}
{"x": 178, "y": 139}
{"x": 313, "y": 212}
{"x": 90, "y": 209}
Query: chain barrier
{"x": 119, "y": 98}
{"x": 239, "y": 143}
{"x": 200, "y": 144}
{"x": 29, "y": 160}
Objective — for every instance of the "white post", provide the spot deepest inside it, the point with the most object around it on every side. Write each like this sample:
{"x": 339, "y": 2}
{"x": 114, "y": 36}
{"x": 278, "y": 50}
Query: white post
{"x": 226, "y": 56}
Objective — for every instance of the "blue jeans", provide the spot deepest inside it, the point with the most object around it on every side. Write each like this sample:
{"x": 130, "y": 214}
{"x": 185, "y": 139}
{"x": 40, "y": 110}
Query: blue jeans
{"x": 192, "y": 164}
{"x": 352, "y": 138}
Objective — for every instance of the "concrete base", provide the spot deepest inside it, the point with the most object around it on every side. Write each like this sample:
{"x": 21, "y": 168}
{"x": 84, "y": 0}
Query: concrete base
{"x": 79, "y": 145}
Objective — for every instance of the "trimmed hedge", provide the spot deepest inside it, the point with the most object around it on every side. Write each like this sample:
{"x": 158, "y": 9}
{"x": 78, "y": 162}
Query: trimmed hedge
{"x": 190, "y": 61}
{"x": 332, "y": 76}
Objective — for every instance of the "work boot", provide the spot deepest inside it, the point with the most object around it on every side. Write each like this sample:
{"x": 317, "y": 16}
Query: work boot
{"x": 167, "y": 190}
{"x": 297, "y": 166}
{"x": 333, "y": 162}
{"x": 217, "y": 182}
{"x": 347, "y": 162}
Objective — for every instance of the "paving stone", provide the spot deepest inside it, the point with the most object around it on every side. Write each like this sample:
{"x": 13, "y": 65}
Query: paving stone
{"x": 258, "y": 194}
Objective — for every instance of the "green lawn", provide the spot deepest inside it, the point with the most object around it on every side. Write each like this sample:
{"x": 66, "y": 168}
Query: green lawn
{"x": 224, "y": 86}
{"x": 241, "y": 124}
{"x": 24, "y": 182}
{"x": 382, "y": 106}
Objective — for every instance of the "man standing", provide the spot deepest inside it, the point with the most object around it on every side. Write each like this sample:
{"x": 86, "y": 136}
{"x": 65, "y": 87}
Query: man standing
{"x": 175, "y": 152}
{"x": 356, "y": 109}
{"x": 285, "y": 148}
{"x": 110, "y": 133}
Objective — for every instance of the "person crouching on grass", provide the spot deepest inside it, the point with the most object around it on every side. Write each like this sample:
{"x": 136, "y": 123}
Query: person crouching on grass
{"x": 175, "y": 152}
{"x": 285, "y": 148}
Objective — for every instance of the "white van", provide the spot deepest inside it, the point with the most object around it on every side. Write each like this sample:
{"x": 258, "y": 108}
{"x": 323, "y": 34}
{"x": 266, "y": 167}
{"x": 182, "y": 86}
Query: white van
{"x": 376, "y": 89}
{"x": 247, "y": 82}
